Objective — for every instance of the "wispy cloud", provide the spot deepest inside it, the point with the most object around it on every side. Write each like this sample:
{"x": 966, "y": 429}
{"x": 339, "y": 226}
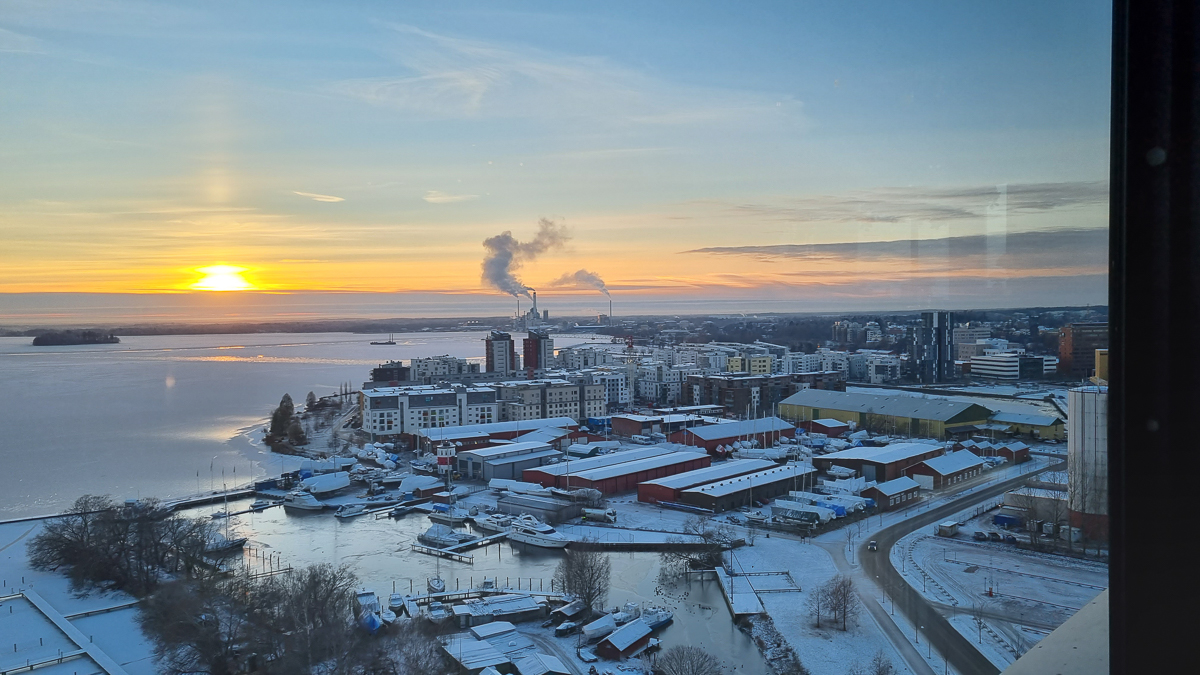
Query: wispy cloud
{"x": 437, "y": 197}
{"x": 451, "y": 77}
{"x": 319, "y": 198}
{"x": 1001, "y": 254}
{"x": 897, "y": 205}
{"x": 18, "y": 43}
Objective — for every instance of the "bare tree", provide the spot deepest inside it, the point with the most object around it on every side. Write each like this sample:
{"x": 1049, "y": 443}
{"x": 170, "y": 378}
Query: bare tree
{"x": 814, "y": 604}
{"x": 586, "y": 574}
{"x": 841, "y": 600}
{"x": 751, "y": 531}
{"x": 977, "y": 619}
{"x": 688, "y": 660}
{"x": 714, "y": 536}
{"x": 881, "y": 664}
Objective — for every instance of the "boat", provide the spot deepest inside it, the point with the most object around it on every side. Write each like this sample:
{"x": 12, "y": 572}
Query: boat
{"x": 438, "y": 612}
{"x": 441, "y": 536}
{"x": 350, "y": 510}
{"x": 656, "y": 617}
{"x": 387, "y": 616}
{"x": 401, "y": 511}
{"x": 302, "y": 501}
{"x": 530, "y": 530}
{"x": 449, "y": 515}
{"x": 437, "y": 584}
{"x": 599, "y": 628}
{"x": 219, "y": 544}
{"x": 369, "y": 611}
{"x": 496, "y": 522}
{"x": 422, "y": 466}
{"x": 388, "y": 341}
{"x": 260, "y": 504}
{"x": 487, "y": 584}
{"x": 220, "y": 514}
{"x": 326, "y": 482}
{"x": 396, "y": 602}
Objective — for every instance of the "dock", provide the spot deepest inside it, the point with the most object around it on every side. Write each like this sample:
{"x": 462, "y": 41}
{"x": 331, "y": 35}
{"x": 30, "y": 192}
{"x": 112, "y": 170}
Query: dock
{"x": 455, "y": 552}
{"x": 742, "y": 590}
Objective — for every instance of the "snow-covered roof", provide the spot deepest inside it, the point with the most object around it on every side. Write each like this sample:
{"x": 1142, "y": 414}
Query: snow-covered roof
{"x": 520, "y": 448}
{"x": 897, "y": 486}
{"x": 954, "y": 462}
{"x": 498, "y": 427}
{"x": 541, "y": 664}
{"x": 716, "y": 432}
{"x": 540, "y": 454}
{"x": 830, "y": 422}
{"x": 716, "y": 472}
{"x": 647, "y": 464}
{"x": 473, "y": 653}
{"x": 893, "y": 452}
{"x": 545, "y": 435}
{"x": 753, "y": 480}
{"x": 940, "y": 409}
{"x": 609, "y": 459}
{"x": 1028, "y": 419}
{"x": 625, "y": 636}
{"x": 488, "y": 630}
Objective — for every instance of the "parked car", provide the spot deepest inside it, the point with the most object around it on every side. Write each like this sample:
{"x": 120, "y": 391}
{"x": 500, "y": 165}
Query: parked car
{"x": 995, "y": 536}
{"x": 872, "y": 545}
{"x": 1010, "y": 539}
{"x": 980, "y": 536}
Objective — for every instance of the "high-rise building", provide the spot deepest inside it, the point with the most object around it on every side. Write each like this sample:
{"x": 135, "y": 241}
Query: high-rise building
{"x": 1077, "y": 345}
{"x": 933, "y": 348}
{"x": 501, "y": 356}
{"x": 1087, "y": 461}
{"x": 538, "y": 350}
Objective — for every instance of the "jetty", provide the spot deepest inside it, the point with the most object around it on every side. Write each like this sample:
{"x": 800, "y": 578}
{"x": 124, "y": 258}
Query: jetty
{"x": 455, "y": 552}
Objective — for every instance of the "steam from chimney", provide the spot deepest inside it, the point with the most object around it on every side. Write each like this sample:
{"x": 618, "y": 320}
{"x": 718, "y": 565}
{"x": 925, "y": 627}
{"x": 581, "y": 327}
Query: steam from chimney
{"x": 581, "y": 279}
{"x": 505, "y": 255}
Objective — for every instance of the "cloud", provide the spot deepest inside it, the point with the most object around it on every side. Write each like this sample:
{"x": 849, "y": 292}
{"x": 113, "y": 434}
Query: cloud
{"x": 998, "y": 255}
{"x": 908, "y": 204}
{"x": 449, "y": 77}
{"x": 16, "y": 43}
{"x": 436, "y": 197}
{"x": 581, "y": 279}
{"x": 319, "y": 198}
{"x": 505, "y": 255}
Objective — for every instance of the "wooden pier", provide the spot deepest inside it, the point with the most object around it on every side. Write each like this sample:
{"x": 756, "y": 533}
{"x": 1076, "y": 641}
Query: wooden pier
{"x": 455, "y": 552}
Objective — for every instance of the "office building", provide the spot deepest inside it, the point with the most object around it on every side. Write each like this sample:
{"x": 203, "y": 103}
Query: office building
{"x": 1077, "y": 345}
{"x": 932, "y": 348}
{"x": 538, "y": 351}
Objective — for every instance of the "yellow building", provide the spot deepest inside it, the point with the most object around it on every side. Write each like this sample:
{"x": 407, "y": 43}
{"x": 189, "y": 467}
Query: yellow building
{"x": 755, "y": 365}
{"x": 895, "y": 415}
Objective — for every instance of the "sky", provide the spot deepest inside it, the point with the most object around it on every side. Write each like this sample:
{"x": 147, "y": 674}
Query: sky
{"x": 367, "y": 158}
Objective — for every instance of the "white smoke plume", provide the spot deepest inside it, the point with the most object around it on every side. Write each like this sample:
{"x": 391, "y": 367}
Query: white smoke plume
{"x": 505, "y": 255}
{"x": 581, "y": 279}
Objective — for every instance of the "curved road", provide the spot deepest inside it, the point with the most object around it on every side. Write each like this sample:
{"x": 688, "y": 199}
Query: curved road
{"x": 919, "y": 611}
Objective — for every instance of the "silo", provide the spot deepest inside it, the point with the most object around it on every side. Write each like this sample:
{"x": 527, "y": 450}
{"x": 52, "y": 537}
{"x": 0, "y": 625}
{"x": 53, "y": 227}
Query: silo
{"x": 1087, "y": 460}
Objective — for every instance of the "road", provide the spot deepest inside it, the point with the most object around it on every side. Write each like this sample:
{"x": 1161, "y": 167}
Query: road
{"x": 920, "y": 612}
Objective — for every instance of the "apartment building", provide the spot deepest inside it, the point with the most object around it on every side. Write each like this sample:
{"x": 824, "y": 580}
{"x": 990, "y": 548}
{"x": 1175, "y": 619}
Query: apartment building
{"x": 661, "y": 384}
{"x": 391, "y": 411}
{"x": 500, "y": 355}
{"x": 544, "y": 398}
{"x": 578, "y": 358}
{"x": 431, "y": 369}
{"x": 755, "y": 365}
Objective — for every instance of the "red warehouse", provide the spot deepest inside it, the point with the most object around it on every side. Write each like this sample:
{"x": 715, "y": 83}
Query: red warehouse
{"x": 669, "y": 489}
{"x": 894, "y": 493}
{"x": 562, "y": 475}
{"x": 767, "y": 431}
{"x": 946, "y": 470}
{"x": 625, "y": 477}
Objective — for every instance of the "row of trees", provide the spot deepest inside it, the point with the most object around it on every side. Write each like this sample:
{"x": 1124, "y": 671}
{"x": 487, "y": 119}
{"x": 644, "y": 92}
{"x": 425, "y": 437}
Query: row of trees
{"x": 836, "y": 601}
{"x": 714, "y": 536}
{"x": 129, "y": 546}
{"x": 300, "y": 622}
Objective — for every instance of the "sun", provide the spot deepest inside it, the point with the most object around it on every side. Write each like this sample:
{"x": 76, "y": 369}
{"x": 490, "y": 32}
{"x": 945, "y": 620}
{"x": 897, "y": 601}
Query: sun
{"x": 222, "y": 278}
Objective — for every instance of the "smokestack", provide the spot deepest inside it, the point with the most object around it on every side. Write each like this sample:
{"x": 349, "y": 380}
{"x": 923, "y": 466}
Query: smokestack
{"x": 534, "y": 301}
{"x": 610, "y": 321}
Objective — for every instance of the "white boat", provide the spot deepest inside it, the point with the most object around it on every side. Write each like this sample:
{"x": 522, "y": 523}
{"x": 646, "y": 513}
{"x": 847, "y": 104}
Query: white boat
{"x": 599, "y": 628}
{"x": 657, "y": 616}
{"x": 449, "y": 515}
{"x": 302, "y": 501}
{"x": 350, "y": 510}
{"x": 438, "y": 611}
{"x": 328, "y": 482}
{"x": 396, "y": 602}
{"x": 441, "y": 536}
{"x": 530, "y": 530}
{"x": 219, "y": 544}
{"x": 387, "y": 616}
{"x": 260, "y": 504}
{"x": 496, "y": 522}
{"x": 436, "y": 585}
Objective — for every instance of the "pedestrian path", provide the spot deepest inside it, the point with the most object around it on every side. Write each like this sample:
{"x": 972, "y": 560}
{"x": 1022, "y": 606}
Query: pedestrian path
{"x": 74, "y": 634}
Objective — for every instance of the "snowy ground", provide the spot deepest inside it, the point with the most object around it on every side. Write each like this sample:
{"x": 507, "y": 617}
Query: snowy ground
{"x": 1031, "y": 593}
{"x": 35, "y": 637}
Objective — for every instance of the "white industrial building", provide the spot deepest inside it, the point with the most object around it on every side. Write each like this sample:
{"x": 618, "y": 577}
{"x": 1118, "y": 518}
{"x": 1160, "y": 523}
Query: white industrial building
{"x": 1087, "y": 460}
{"x": 390, "y": 411}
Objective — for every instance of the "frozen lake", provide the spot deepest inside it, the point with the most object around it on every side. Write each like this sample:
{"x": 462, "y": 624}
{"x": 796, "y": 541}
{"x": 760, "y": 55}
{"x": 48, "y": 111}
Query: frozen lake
{"x": 168, "y": 416}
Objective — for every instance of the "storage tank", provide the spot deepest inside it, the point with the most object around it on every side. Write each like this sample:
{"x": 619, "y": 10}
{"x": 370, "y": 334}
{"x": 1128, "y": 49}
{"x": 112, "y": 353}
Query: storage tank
{"x": 1087, "y": 460}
